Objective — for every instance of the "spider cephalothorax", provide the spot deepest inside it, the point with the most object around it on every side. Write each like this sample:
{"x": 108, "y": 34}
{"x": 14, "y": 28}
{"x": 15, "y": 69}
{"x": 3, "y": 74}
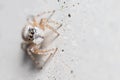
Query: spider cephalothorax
{"x": 31, "y": 33}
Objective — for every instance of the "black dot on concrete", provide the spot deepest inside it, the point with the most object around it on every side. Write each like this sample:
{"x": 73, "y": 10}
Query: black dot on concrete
{"x": 69, "y": 15}
{"x": 71, "y": 71}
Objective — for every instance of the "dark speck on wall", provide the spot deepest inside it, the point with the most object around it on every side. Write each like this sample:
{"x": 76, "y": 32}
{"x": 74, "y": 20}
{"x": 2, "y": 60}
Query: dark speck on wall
{"x": 69, "y": 15}
{"x": 71, "y": 71}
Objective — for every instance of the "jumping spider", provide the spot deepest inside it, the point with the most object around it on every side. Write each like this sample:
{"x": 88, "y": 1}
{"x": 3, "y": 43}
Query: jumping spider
{"x": 33, "y": 35}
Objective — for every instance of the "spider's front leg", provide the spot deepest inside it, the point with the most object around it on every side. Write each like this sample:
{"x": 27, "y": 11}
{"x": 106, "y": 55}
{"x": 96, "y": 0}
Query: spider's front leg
{"x": 45, "y": 23}
{"x": 32, "y": 19}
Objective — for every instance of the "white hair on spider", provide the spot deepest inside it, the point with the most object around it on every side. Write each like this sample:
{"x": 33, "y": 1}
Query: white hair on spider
{"x": 31, "y": 34}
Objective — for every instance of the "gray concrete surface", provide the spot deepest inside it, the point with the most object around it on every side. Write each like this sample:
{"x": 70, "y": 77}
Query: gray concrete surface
{"x": 90, "y": 41}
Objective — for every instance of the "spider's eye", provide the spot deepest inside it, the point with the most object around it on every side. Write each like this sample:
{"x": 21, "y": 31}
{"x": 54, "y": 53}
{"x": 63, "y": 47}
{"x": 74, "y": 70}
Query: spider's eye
{"x": 32, "y": 31}
{"x": 30, "y": 37}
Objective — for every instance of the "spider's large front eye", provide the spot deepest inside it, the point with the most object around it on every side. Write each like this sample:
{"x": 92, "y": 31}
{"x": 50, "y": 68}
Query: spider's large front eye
{"x": 30, "y": 37}
{"x": 32, "y": 31}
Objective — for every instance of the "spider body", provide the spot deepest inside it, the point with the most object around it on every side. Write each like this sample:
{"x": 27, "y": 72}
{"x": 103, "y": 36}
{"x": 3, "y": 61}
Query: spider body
{"x": 33, "y": 36}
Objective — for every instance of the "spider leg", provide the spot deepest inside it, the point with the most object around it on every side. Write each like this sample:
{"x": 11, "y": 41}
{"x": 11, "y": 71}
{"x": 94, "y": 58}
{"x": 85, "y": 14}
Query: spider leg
{"x": 51, "y": 55}
{"x": 51, "y": 28}
{"x": 51, "y": 15}
{"x": 45, "y": 20}
{"x": 45, "y": 12}
{"x": 35, "y": 50}
{"x": 32, "y": 21}
{"x": 41, "y": 52}
{"x": 31, "y": 56}
{"x": 56, "y": 23}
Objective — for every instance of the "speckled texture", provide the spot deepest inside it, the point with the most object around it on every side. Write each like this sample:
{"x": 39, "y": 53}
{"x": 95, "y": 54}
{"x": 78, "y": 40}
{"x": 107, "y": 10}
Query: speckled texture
{"x": 88, "y": 45}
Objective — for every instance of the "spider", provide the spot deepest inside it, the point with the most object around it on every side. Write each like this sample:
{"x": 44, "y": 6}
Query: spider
{"x": 33, "y": 36}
